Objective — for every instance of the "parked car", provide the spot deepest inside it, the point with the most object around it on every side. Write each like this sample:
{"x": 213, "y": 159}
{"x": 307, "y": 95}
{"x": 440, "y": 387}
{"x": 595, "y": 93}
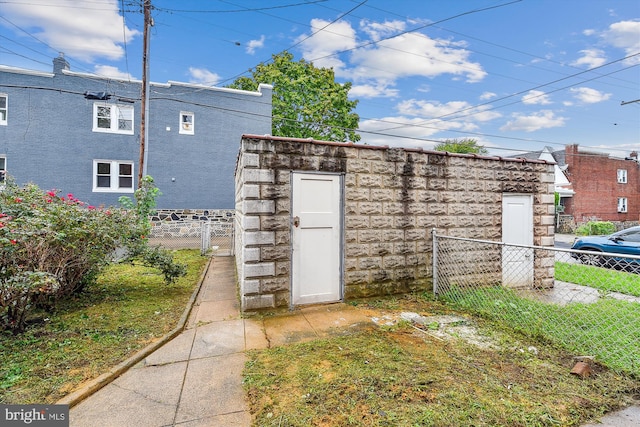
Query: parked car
{"x": 623, "y": 242}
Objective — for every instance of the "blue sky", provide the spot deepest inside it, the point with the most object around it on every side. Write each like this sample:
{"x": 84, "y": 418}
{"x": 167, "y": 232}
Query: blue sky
{"x": 513, "y": 75}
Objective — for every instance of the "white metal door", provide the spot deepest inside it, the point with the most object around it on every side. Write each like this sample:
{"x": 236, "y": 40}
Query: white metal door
{"x": 517, "y": 228}
{"x": 316, "y": 238}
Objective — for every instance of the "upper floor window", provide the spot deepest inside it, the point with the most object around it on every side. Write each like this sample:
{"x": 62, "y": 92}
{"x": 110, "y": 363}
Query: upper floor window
{"x": 3, "y": 109}
{"x": 112, "y": 176}
{"x": 622, "y": 204}
{"x": 622, "y": 176}
{"x": 112, "y": 118}
{"x": 187, "y": 123}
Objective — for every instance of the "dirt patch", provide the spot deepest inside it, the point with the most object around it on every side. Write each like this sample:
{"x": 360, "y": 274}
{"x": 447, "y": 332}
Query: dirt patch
{"x": 428, "y": 367}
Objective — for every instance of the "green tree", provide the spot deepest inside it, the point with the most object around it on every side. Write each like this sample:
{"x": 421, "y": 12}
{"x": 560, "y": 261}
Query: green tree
{"x": 464, "y": 146}
{"x": 307, "y": 101}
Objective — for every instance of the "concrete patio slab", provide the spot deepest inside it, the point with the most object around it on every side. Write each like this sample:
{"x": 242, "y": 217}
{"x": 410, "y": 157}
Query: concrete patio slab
{"x": 288, "y": 328}
{"x": 254, "y": 336}
{"x": 134, "y": 399}
{"x": 218, "y": 338}
{"x": 176, "y": 350}
{"x": 212, "y": 387}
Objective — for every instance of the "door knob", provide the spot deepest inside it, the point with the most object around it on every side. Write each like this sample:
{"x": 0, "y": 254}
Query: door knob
{"x": 296, "y": 221}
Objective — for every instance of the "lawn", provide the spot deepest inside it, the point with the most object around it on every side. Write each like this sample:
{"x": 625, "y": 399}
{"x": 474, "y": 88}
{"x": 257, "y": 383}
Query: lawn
{"x": 599, "y": 278}
{"x": 127, "y": 308}
{"x": 402, "y": 376}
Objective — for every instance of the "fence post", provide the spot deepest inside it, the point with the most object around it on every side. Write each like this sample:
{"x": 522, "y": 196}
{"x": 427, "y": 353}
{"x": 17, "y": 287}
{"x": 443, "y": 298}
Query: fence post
{"x": 205, "y": 237}
{"x": 435, "y": 261}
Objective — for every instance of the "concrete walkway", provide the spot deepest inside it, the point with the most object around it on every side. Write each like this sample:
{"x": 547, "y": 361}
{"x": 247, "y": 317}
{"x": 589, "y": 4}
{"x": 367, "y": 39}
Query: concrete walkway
{"x": 195, "y": 380}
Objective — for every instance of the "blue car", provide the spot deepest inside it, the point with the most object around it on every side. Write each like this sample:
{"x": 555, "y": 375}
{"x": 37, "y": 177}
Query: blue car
{"x": 623, "y": 242}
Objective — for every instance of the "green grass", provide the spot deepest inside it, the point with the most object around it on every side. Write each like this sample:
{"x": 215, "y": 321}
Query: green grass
{"x": 599, "y": 278}
{"x": 402, "y": 377}
{"x": 607, "y": 329}
{"x": 127, "y": 308}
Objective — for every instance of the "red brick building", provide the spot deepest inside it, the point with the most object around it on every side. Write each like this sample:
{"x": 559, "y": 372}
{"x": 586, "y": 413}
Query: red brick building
{"x": 606, "y": 188}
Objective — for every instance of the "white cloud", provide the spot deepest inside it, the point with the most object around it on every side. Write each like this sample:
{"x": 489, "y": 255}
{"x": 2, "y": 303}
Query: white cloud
{"x": 543, "y": 119}
{"x": 587, "y": 95}
{"x": 112, "y": 72}
{"x": 414, "y": 54}
{"x": 380, "y": 62}
{"x": 536, "y": 97}
{"x": 203, "y": 76}
{"x": 372, "y": 91}
{"x": 254, "y": 44}
{"x": 591, "y": 58}
{"x": 378, "y": 30}
{"x": 436, "y": 110}
{"x": 487, "y": 95}
{"x": 86, "y": 31}
{"x": 625, "y": 35}
{"x": 333, "y": 38}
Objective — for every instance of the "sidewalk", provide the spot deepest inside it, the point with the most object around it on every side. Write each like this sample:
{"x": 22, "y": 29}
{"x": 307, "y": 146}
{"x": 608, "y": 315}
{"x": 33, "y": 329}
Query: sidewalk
{"x": 195, "y": 380}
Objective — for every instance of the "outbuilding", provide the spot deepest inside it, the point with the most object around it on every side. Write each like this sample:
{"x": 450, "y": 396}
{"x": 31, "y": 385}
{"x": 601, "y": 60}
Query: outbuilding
{"x": 320, "y": 222}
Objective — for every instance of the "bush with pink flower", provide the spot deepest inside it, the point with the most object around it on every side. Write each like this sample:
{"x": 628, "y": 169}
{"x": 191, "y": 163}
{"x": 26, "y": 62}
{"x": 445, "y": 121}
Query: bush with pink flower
{"x": 53, "y": 245}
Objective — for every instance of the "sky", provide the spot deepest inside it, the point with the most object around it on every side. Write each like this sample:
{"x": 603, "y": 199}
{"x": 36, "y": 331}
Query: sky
{"x": 514, "y": 75}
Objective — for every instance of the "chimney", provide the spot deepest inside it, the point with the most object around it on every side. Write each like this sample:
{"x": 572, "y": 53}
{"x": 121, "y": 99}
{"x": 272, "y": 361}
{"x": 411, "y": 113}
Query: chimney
{"x": 60, "y": 64}
{"x": 634, "y": 155}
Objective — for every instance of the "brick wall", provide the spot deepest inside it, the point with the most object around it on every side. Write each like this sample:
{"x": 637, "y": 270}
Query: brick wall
{"x": 593, "y": 177}
{"x": 393, "y": 199}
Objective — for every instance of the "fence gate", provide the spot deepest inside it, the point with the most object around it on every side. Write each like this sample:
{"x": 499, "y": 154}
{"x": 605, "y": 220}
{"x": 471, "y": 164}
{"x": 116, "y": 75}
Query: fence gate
{"x": 214, "y": 238}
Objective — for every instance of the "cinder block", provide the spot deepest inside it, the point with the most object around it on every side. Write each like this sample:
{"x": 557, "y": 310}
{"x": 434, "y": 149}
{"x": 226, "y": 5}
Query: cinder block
{"x": 255, "y": 302}
{"x": 259, "y": 269}
{"x": 259, "y": 238}
{"x": 258, "y": 206}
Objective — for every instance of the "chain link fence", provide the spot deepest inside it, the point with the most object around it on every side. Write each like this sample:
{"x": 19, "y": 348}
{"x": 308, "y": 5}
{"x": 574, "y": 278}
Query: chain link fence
{"x": 210, "y": 237}
{"x": 586, "y": 302}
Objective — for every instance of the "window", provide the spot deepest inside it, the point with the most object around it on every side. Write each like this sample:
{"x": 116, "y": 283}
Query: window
{"x": 112, "y": 118}
{"x": 631, "y": 236}
{"x": 112, "y": 176}
{"x": 3, "y": 109}
{"x": 3, "y": 171}
{"x": 622, "y": 204}
{"x": 622, "y": 176}
{"x": 186, "y": 123}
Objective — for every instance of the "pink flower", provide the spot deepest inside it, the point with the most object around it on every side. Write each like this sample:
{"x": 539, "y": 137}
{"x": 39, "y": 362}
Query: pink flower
{"x": 91, "y": 207}
{"x": 62, "y": 198}
{"x": 70, "y": 196}
{"x": 18, "y": 199}
{"x": 13, "y": 241}
{"x": 51, "y": 193}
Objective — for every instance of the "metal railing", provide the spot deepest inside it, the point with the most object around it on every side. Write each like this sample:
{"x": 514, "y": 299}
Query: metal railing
{"x": 586, "y": 302}
{"x": 210, "y": 237}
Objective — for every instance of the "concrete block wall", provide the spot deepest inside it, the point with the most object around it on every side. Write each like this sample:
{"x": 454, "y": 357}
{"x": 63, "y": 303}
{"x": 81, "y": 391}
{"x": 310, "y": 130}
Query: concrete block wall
{"x": 187, "y": 222}
{"x": 393, "y": 199}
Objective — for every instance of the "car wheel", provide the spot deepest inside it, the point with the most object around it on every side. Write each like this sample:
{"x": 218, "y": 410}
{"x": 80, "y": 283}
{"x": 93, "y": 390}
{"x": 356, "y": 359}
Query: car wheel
{"x": 591, "y": 259}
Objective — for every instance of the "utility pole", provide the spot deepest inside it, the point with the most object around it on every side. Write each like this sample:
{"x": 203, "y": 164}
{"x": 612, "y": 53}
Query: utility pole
{"x": 142, "y": 167}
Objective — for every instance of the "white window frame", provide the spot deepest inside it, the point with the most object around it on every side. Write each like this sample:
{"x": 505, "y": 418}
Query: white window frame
{"x": 114, "y": 177}
{"x": 622, "y": 204}
{"x": 4, "y": 111}
{"x": 622, "y": 176}
{"x": 186, "y": 126}
{"x": 117, "y": 113}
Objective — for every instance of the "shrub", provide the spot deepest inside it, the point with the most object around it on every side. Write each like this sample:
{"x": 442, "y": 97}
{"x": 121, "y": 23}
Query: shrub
{"x": 596, "y": 228}
{"x": 52, "y": 245}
